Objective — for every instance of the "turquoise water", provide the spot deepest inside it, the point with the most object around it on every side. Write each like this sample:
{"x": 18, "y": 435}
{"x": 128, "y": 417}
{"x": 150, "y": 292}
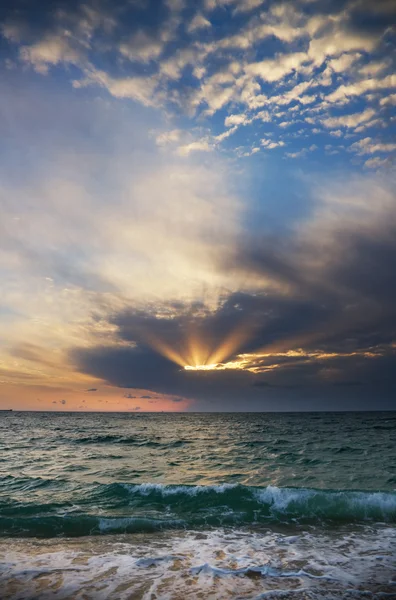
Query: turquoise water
{"x": 103, "y": 479}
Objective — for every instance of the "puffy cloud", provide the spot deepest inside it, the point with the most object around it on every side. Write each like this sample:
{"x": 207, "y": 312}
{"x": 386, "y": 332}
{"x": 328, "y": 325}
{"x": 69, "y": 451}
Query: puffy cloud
{"x": 240, "y": 119}
{"x": 50, "y": 51}
{"x": 376, "y": 162}
{"x": 391, "y": 99}
{"x": 196, "y": 146}
{"x": 349, "y": 121}
{"x": 142, "y": 47}
{"x": 344, "y": 92}
{"x": 226, "y": 134}
{"x": 374, "y": 67}
{"x": 275, "y": 69}
{"x": 137, "y": 88}
{"x": 296, "y": 154}
{"x": 154, "y": 62}
{"x": 248, "y": 5}
{"x": 198, "y": 22}
{"x": 368, "y": 146}
{"x": 213, "y": 4}
{"x": 343, "y": 63}
{"x": 270, "y": 144}
{"x": 337, "y": 42}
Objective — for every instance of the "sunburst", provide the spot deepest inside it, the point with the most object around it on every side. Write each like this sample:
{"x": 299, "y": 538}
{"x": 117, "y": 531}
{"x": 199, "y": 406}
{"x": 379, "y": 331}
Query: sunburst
{"x": 198, "y": 351}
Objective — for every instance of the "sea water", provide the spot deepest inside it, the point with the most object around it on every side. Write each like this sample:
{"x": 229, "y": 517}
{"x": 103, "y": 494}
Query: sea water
{"x": 217, "y": 506}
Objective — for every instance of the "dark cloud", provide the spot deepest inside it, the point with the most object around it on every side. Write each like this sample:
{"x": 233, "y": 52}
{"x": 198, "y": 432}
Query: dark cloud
{"x": 347, "y": 383}
{"x": 92, "y": 390}
{"x": 326, "y": 324}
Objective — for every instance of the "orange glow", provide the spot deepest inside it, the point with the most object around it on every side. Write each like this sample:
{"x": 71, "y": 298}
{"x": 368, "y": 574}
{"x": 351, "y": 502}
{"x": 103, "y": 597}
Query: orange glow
{"x": 102, "y": 397}
{"x": 164, "y": 349}
{"x": 198, "y": 351}
{"x": 211, "y": 367}
{"x": 234, "y": 340}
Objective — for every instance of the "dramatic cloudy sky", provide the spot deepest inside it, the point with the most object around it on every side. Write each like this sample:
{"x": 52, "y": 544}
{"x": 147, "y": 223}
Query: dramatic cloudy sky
{"x": 198, "y": 205}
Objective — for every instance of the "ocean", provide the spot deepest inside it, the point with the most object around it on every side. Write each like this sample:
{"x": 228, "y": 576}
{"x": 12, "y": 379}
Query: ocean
{"x": 209, "y": 506}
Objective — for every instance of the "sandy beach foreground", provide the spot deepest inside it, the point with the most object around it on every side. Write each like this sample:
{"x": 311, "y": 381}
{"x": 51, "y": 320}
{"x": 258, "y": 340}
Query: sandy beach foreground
{"x": 218, "y": 564}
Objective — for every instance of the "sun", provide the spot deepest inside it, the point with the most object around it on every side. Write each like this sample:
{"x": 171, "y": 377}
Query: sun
{"x": 211, "y": 367}
{"x": 197, "y": 350}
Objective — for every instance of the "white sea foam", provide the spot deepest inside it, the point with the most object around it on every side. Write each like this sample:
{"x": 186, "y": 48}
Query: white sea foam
{"x": 165, "y": 490}
{"x": 361, "y": 504}
{"x": 218, "y": 564}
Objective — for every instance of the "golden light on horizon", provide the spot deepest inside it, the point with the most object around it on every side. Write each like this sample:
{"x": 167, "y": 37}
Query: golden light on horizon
{"x": 197, "y": 350}
{"x": 211, "y": 367}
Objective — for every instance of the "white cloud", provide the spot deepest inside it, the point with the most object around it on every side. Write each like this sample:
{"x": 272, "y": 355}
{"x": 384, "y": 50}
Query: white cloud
{"x": 197, "y": 146}
{"x": 368, "y": 146}
{"x": 275, "y": 69}
{"x": 263, "y": 115}
{"x": 168, "y": 137}
{"x": 294, "y": 94}
{"x": 391, "y": 99}
{"x": 225, "y": 76}
{"x": 344, "y": 62}
{"x": 376, "y": 162}
{"x": 250, "y": 37}
{"x": 12, "y": 31}
{"x": 296, "y": 154}
{"x": 50, "y": 51}
{"x": 217, "y": 91}
{"x": 141, "y": 47}
{"x": 270, "y": 144}
{"x": 241, "y": 119}
{"x": 140, "y": 89}
{"x": 344, "y": 92}
{"x": 247, "y": 5}
{"x": 368, "y": 125}
{"x": 198, "y": 22}
{"x": 374, "y": 67}
{"x": 349, "y": 121}
{"x": 337, "y": 42}
{"x": 307, "y": 99}
{"x": 222, "y": 136}
{"x": 199, "y": 72}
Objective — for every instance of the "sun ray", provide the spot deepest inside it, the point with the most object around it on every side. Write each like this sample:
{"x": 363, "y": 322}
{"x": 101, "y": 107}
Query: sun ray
{"x": 165, "y": 349}
{"x": 232, "y": 343}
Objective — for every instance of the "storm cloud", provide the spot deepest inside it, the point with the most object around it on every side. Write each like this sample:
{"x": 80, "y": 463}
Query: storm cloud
{"x": 326, "y": 322}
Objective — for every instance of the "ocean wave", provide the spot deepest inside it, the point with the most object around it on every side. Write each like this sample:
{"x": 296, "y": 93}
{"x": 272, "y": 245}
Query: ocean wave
{"x": 129, "y": 441}
{"x": 148, "y": 507}
{"x": 81, "y": 525}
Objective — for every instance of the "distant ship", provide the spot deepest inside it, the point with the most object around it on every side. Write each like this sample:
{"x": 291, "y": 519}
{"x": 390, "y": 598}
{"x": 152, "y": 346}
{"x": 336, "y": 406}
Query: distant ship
{"x": 6, "y": 409}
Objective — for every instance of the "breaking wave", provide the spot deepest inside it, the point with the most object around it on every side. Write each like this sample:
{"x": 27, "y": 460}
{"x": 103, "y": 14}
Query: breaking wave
{"x": 129, "y": 508}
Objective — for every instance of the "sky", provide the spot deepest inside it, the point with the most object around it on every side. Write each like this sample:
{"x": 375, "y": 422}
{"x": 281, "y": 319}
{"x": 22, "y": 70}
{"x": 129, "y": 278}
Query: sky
{"x": 198, "y": 205}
